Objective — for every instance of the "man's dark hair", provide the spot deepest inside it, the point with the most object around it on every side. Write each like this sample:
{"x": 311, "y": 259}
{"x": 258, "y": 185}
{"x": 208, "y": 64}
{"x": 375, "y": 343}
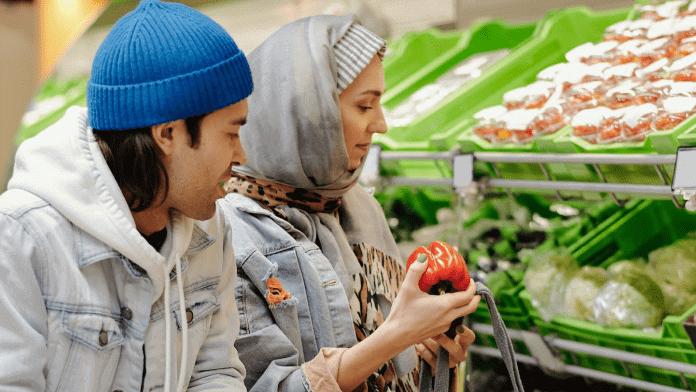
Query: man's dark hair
{"x": 133, "y": 158}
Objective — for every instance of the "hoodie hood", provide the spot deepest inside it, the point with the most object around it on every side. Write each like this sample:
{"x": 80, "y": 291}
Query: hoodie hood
{"x": 64, "y": 166}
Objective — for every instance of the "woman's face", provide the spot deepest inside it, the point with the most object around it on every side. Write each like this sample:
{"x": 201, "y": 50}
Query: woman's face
{"x": 361, "y": 112}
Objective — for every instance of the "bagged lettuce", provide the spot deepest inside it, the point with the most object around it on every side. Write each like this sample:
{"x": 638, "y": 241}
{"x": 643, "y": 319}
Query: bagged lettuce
{"x": 582, "y": 289}
{"x": 676, "y": 264}
{"x": 630, "y": 299}
{"x": 546, "y": 281}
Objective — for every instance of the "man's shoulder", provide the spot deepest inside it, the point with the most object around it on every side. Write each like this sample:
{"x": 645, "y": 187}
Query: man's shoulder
{"x": 15, "y": 203}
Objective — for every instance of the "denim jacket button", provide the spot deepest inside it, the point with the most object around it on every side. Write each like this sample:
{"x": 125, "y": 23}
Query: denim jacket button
{"x": 126, "y": 313}
{"x": 103, "y": 338}
{"x": 189, "y": 316}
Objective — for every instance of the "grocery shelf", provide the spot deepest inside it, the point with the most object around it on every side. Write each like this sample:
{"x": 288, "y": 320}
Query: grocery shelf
{"x": 548, "y": 344}
{"x": 462, "y": 174}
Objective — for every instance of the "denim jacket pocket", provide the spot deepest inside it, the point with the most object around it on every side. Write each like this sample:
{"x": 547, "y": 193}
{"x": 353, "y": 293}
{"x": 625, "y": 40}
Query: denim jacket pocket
{"x": 90, "y": 351}
{"x": 199, "y": 305}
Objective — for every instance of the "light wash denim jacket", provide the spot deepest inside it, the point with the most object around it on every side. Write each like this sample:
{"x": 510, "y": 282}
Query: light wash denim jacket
{"x": 276, "y": 339}
{"x": 81, "y": 304}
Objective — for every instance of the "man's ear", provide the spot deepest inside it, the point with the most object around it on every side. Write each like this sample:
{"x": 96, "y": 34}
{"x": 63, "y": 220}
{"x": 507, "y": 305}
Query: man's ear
{"x": 168, "y": 135}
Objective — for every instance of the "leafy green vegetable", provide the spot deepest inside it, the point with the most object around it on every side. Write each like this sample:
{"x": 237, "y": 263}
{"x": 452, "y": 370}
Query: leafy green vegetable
{"x": 676, "y": 264}
{"x": 630, "y": 299}
{"x": 546, "y": 281}
{"x": 582, "y": 290}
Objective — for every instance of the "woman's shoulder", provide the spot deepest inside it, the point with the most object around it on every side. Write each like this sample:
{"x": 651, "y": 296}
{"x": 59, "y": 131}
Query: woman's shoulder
{"x": 253, "y": 227}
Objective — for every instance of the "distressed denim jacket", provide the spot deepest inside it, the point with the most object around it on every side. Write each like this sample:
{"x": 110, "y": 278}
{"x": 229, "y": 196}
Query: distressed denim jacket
{"x": 80, "y": 313}
{"x": 277, "y": 337}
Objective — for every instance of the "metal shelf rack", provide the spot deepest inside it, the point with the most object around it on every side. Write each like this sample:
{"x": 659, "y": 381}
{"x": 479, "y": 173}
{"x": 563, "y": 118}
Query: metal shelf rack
{"x": 461, "y": 176}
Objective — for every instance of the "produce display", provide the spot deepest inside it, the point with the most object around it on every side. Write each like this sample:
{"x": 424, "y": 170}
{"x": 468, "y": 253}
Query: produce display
{"x": 639, "y": 79}
{"x": 628, "y": 293}
{"x": 502, "y": 237}
{"x": 431, "y": 94}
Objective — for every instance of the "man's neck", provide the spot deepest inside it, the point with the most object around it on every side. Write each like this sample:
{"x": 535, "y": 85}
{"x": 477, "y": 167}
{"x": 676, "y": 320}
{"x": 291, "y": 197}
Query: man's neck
{"x": 151, "y": 220}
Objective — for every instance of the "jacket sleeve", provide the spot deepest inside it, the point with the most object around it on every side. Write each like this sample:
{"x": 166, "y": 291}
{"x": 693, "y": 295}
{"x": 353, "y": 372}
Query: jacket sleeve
{"x": 218, "y": 366}
{"x": 23, "y": 316}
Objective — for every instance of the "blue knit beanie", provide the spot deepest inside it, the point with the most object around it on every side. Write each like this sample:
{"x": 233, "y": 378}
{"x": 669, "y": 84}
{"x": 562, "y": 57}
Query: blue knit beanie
{"x": 164, "y": 62}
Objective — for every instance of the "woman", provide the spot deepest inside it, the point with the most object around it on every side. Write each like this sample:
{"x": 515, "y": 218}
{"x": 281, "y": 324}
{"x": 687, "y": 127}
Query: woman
{"x": 318, "y": 269}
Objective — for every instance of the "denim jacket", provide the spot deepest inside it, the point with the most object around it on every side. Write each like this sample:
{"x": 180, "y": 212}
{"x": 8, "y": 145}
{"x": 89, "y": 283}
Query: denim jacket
{"x": 81, "y": 306}
{"x": 276, "y": 339}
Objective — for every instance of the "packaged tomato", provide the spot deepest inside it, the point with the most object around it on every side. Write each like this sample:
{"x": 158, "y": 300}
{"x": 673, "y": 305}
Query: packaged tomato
{"x": 684, "y": 69}
{"x": 673, "y": 111}
{"x": 652, "y": 92}
{"x": 686, "y": 47}
{"x": 489, "y": 122}
{"x": 655, "y": 71}
{"x": 636, "y": 121}
{"x": 578, "y": 53}
{"x": 662, "y": 28}
{"x": 639, "y": 28}
{"x": 670, "y": 9}
{"x": 685, "y": 28}
{"x": 599, "y": 52}
{"x": 625, "y": 53}
{"x": 586, "y": 95}
{"x": 549, "y": 73}
{"x": 620, "y": 73}
{"x": 519, "y": 125}
{"x": 655, "y": 50}
{"x": 554, "y": 115}
{"x": 622, "y": 95}
{"x": 610, "y": 129}
{"x": 529, "y": 97}
{"x": 577, "y": 73}
{"x": 683, "y": 89}
{"x": 586, "y": 123}
{"x": 618, "y": 32}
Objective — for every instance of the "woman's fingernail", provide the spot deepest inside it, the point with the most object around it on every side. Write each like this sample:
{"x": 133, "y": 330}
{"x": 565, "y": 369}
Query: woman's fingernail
{"x": 422, "y": 258}
{"x": 460, "y": 329}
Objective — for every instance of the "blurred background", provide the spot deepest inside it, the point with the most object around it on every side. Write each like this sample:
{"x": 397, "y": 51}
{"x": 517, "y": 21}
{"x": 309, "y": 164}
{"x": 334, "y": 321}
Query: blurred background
{"x": 46, "y": 40}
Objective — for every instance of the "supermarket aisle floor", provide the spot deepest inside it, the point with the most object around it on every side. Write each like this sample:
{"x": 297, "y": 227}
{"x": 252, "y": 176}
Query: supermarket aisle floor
{"x": 252, "y": 21}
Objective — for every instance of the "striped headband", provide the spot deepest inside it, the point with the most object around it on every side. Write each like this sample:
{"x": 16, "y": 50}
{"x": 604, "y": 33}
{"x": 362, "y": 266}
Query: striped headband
{"x": 354, "y": 51}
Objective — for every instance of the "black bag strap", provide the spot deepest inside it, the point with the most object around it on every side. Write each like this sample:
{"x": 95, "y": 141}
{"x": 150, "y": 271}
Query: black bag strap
{"x": 501, "y": 339}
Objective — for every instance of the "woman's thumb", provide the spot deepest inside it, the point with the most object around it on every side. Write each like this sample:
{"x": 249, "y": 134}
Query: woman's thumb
{"x": 416, "y": 269}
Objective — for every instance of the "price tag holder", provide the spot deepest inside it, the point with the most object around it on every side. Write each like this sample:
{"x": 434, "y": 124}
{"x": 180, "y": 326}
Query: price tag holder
{"x": 684, "y": 180}
{"x": 463, "y": 171}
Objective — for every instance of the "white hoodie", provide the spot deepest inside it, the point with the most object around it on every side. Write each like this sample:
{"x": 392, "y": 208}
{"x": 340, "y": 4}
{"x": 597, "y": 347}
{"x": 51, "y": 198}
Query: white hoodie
{"x": 64, "y": 166}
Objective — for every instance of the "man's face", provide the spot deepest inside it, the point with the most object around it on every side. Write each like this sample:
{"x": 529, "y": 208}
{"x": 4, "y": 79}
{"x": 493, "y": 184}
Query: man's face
{"x": 195, "y": 174}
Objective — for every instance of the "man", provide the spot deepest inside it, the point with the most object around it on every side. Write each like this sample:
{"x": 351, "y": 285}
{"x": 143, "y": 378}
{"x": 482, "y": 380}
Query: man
{"x": 115, "y": 203}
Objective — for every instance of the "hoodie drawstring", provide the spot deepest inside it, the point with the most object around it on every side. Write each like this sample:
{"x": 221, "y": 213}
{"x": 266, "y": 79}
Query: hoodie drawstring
{"x": 184, "y": 328}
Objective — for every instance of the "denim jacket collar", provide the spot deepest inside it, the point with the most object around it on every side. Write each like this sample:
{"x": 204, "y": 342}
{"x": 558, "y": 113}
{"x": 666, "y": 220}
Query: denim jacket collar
{"x": 90, "y": 250}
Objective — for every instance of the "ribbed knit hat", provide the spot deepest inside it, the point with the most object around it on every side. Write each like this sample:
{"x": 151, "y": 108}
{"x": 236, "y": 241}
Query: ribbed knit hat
{"x": 354, "y": 51}
{"x": 164, "y": 62}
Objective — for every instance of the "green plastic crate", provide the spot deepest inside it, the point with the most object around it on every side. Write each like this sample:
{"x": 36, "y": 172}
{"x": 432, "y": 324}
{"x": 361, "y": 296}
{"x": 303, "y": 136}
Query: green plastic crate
{"x": 560, "y": 32}
{"x": 418, "y": 59}
{"x": 588, "y": 333}
{"x": 642, "y": 227}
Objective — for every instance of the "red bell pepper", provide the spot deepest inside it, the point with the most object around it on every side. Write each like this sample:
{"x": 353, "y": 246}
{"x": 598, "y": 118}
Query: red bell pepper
{"x": 446, "y": 270}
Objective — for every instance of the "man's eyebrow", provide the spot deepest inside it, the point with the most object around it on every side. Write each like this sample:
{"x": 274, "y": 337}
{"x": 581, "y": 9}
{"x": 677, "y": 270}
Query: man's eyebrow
{"x": 376, "y": 93}
{"x": 239, "y": 122}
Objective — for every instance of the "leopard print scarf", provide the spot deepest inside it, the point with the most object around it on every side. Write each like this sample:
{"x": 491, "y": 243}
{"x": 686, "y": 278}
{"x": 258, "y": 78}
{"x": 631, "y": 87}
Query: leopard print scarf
{"x": 271, "y": 194}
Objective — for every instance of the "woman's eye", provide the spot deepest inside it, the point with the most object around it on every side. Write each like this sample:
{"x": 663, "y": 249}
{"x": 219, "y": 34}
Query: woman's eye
{"x": 364, "y": 108}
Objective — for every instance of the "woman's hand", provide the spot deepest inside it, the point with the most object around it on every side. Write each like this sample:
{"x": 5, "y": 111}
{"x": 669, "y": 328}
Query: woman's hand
{"x": 417, "y": 316}
{"x": 456, "y": 347}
